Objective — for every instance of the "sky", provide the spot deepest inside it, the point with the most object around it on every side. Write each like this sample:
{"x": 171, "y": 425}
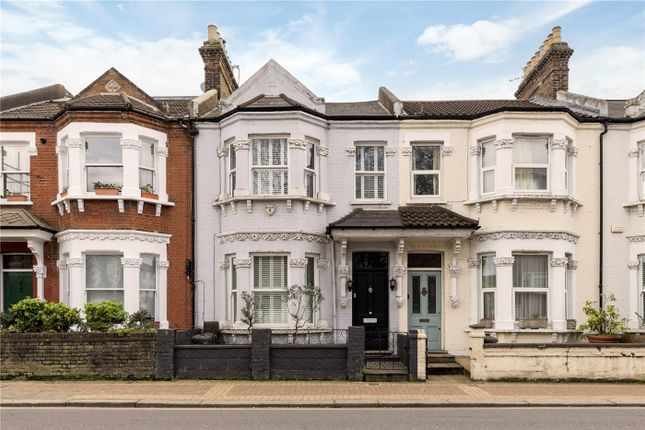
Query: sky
{"x": 340, "y": 50}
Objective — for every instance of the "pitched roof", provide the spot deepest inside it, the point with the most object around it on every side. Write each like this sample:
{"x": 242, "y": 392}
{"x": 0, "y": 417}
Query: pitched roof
{"x": 51, "y": 92}
{"x": 367, "y": 108}
{"x": 19, "y": 218}
{"x": 414, "y": 216}
{"x": 41, "y": 110}
{"x": 463, "y": 108}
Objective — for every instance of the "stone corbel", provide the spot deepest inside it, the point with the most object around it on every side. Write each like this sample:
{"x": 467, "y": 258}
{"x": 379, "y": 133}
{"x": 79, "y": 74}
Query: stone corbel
{"x": 131, "y": 144}
{"x": 473, "y": 263}
{"x": 323, "y": 151}
{"x": 633, "y": 265}
{"x": 390, "y": 151}
{"x": 223, "y": 265}
{"x": 222, "y": 151}
{"x": 475, "y": 151}
{"x": 297, "y": 143}
{"x": 161, "y": 151}
{"x": 299, "y": 263}
{"x": 350, "y": 150}
{"x": 40, "y": 271}
{"x": 241, "y": 145}
{"x": 406, "y": 150}
{"x": 242, "y": 262}
{"x": 131, "y": 262}
{"x": 560, "y": 144}
{"x": 446, "y": 151}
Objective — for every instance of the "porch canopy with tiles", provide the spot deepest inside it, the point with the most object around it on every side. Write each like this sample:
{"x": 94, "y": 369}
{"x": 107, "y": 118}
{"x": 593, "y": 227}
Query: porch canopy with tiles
{"x": 398, "y": 232}
{"x": 20, "y": 225}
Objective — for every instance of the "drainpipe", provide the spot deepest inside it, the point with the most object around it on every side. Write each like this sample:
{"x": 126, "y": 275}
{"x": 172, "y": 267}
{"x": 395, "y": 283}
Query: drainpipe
{"x": 192, "y": 131}
{"x": 602, "y": 227}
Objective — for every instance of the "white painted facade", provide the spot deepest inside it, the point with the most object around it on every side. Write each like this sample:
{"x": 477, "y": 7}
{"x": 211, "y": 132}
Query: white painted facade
{"x": 558, "y": 222}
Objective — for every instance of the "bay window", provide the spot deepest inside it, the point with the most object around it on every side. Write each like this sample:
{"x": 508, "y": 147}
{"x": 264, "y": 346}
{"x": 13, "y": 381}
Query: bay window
{"x": 310, "y": 281}
{"x": 531, "y": 163}
{"x": 425, "y": 169}
{"x": 103, "y": 278}
{"x": 530, "y": 286}
{"x": 233, "y": 283}
{"x": 488, "y": 284}
{"x": 15, "y": 170}
{"x": 147, "y": 166}
{"x": 488, "y": 161}
{"x": 370, "y": 172}
{"x": 269, "y": 288}
{"x": 269, "y": 166}
{"x": 148, "y": 284}
{"x": 310, "y": 170}
{"x": 103, "y": 161}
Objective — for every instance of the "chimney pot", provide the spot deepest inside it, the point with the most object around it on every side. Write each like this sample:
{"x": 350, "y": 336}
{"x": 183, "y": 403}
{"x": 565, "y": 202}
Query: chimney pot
{"x": 212, "y": 33}
{"x": 556, "y": 34}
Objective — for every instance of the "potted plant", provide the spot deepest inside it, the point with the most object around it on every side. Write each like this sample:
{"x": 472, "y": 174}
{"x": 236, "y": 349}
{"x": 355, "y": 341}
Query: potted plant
{"x": 14, "y": 196}
{"x": 147, "y": 192}
{"x": 604, "y": 325}
{"x": 534, "y": 322}
{"x": 106, "y": 189}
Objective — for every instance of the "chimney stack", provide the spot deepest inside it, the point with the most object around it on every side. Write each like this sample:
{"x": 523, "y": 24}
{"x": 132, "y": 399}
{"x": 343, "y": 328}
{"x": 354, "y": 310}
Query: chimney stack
{"x": 218, "y": 71}
{"x": 547, "y": 72}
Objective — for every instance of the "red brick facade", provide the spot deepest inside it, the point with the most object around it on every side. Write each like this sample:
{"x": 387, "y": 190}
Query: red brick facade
{"x": 104, "y": 215}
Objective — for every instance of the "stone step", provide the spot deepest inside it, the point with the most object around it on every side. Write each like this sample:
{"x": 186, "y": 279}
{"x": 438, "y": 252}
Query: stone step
{"x": 445, "y": 369}
{"x": 375, "y": 375}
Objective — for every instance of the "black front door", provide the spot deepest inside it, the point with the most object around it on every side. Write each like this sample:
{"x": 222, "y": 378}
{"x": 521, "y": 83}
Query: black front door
{"x": 370, "y": 297}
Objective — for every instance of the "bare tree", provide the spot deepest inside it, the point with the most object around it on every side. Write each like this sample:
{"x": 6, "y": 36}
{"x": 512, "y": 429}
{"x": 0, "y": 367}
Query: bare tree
{"x": 248, "y": 309}
{"x": 303, "y": 301}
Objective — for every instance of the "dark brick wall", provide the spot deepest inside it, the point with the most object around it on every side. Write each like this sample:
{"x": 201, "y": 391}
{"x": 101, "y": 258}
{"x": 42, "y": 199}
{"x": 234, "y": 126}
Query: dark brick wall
{"x": 213, "y": 361}
{"x": 549, "y": 76}
{"x": 308, "y": 361}
{"x": 104, "y": 355}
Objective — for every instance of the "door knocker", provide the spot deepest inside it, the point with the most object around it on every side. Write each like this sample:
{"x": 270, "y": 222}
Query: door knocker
{"x": 424, "y": 291}
{"x": 369, "y": 290}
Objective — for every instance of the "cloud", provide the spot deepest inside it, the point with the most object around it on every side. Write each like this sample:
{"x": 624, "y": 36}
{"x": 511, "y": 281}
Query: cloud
{"x": 490, "y": 40}
{"x": 596, "y": 73}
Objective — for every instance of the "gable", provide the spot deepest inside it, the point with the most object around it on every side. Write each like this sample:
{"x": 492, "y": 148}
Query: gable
{"x": 113, "y": 82}
{"x": 272, "y": 81}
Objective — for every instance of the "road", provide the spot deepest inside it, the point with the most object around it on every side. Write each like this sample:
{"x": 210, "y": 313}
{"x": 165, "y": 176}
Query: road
{"x": 614, "y": 418}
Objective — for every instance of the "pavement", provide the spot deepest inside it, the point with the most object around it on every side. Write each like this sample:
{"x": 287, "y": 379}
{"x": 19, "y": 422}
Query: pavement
{"x": 438, "y": 391}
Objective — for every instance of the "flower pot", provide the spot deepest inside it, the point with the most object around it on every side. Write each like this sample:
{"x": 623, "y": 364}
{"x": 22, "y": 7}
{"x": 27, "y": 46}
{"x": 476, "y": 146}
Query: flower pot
{"x": 16, "y": 198}
{"x": 152, "y": 196}
{"x": 532, "y": 323}
{"x": 63, "y": 194}
{"x": 106, "y": 191}
{"x": 604, "y": 338}
{"x": 486, "y": 323}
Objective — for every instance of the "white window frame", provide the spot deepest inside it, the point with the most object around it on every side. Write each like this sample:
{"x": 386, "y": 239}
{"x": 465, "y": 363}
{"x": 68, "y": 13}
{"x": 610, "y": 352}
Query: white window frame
{"x": 233, "y": 293}
{"x": 232, "y": 168}
{"x": 642, "y": 286}
{"x": 534, "y": 165}
{"x": 546, "y": 291}
{"x": 103, "y": 253}
{"x": 64, "y": 165}
{"x": 156, "y": 289}
{"x": 641, "y": 170}
{"x": 315, "y": 258}
{"x": 413, "y": 172}
{"x": 155, "y": 162}
{"x": 483, "y": 170}
{"x": 359, "y": 146}
{"x": 275, "y": 291}
{"x": 483, "y": 291}
{"x": 22, "y": 147}
{"x": 311, "y": 171}
{"x": 284, "y": 168}
{"x": 85, "y": 165}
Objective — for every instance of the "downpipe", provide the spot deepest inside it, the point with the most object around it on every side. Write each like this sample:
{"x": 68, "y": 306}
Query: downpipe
{"x": 601, "y": 217}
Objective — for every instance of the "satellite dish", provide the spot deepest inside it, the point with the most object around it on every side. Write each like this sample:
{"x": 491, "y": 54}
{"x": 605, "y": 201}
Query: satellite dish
{"x": 202, "y": 86}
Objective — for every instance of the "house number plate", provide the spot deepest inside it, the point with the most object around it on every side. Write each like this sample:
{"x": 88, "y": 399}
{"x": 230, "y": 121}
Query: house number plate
{"x": 370, "y": 320}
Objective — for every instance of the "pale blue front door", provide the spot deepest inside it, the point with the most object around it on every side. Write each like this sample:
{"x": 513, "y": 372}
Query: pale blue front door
{"x": 424, "y": 305}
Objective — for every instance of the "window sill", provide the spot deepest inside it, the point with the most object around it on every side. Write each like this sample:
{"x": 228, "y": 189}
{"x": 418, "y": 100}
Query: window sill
{"x": 64, "y": 203}
{"x": 633, "y": 204}
{"x": 371, "y": 202}
{"x": 524, "y": 197}
{"x": 5, "y": 202}
{"x": 256, "y": 198}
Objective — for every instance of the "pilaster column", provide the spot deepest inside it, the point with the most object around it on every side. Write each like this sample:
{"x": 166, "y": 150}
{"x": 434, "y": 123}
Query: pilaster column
{"x": 558, "y": 165}
{"x": 162, "y": 293}
{"x": 296, "y": 158}
{"x": 504, "y": 166}
{"x": 454, "y": 270}
{"x": 399, "y": 272}
{"x": 131, "y": 268}
{"x": 243, "y": 269}
{"x": 573, "y": 172}
{"x": 504, "y": 312}
{"x": 75, "y": 150}
{"x": 41, "y": 274}
{"x": 632, "y": 190}
{"x": 343, "y": 273}
{"x": 63, "y": 283}
{"x": 473, "y": 268}
{"x": 572, "y": 266}
{"x": 77, "y": 297}
{"x": 36, "y": 246}
{"x": 558, "y": 293}
{"x": 323, "y": 155}
{"x": 130, "y": 152}
{"x": 161, "y": 158}
{"x": 243, "y": 163}
{"x": 224, "y": 163}
{"x": 633, "y": 293}
{"x": 474, "y": 162}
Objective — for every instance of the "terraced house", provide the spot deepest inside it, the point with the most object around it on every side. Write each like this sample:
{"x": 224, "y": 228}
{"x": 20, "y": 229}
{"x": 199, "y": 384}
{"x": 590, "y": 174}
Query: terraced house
{"x": 432, "y": 215}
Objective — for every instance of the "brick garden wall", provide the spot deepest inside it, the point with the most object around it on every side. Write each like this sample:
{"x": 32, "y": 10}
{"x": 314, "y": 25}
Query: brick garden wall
{"x": 105, "y": 355}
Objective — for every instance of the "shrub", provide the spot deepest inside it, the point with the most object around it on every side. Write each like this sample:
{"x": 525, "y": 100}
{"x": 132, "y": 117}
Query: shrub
{"x": 104, "y": 315}
{"x": 138, "y": 319}
{"x": 28, "y": 315}
{"x": 6, "y": 320}
{"x": 32, "y": 315}
{"x": 605, "y": 321}
{"x": 59, "y": 318}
